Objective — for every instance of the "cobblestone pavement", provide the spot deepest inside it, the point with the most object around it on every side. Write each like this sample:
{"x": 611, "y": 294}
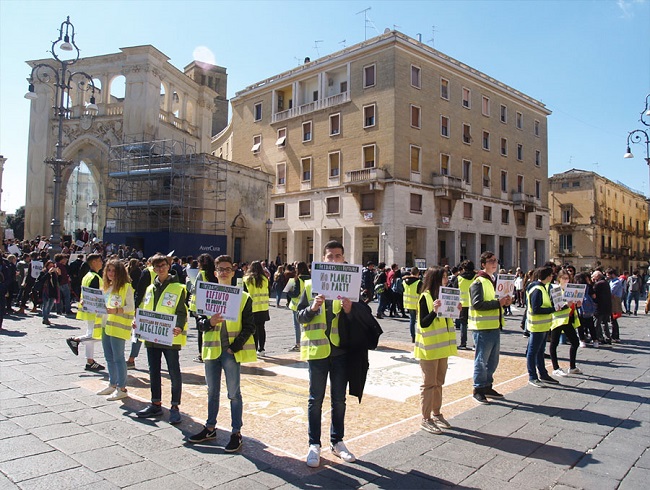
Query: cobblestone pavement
{"x": 591, "y": 432}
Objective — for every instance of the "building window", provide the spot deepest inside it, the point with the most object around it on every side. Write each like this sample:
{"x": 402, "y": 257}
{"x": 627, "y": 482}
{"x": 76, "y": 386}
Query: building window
{"x": 279, "y": 210}
{"x": 504, "y": 114}
{"x": 282, "y": 138}
{"x": 504, "y": 147}
{"x": 343, "y": 87}
{"x": 538, "y": 158}
{"x": 467, "y": 171}
{"x": 519, "y": 121}
{"x": 486, "y": 176}
{"x": 305, "y": 169}
{"x": 567, "y": 211}
{"x": 445, "y": 207}
{"x": 486, "y": 140}
{"x": 467, "y": 134}
{"x": 467, "y": 210}
{"x": 415, "y": 159}
{"x": 281, "y": 174}
{"x": 520, "y": 183}
{"x": 369, "y": 156}
{"x": 444, "y": 89}
{"x": 368, "y": 116}
{"x": 304, "y": 208}
{"x": 369, "y": 76}
{"x": 306, "y": 131}
{"x": 335, "y": 124}
{"x": 334, "y": 164}
{"x": 314, "y": 95}
{"x": 536, "y": 127}
{"x": 485, "y": 106}
{"x": 538, "y": 189}
{"x": 416, "y": 203}
{"x": 257, "y": 143}
{"x": 257, "y": 111}
{"x": 415, "y": 76}
{"x": 520, "y": 151}
{"x": 444, "y": 164}
{"x": 487, "y": 213}
{"x": 444, "y": 126}
{"x": 565, "y": 185}
{"x": 504, "y": 181}
{"x": 538, "y": 221}
{"x": 368, "y": 201}
{"x": 333, "y": 205}
{"x": 467, "y": 98}
{"x": 575, "y": 183}
{"x": 520, "y": 218}
{"x": 505, "y": 216}
{"x": 415, "y": 117}
{"x": 566, "y": 243}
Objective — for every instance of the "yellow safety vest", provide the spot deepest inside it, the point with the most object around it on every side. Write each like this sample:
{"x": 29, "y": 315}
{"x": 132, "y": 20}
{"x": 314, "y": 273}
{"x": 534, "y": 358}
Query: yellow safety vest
{"x": 314, "y": 343}
{"x": 539, "y": 322}
{"x": 119, "y": 324}
{"x": 260, "y": 296}
{"x": 438, "y": 340}
{"x": 212, "y": 339}
{"x": 561, "y": 318}
{"x": 411, "y": 295}
{"x": 200, "y": 277}
{"x": 85, "y": 315}
{"x": 175, "y": 290}
{"x": 485, "y": 319}
{"x": 463, "y": 285}
{"x": 293, "y": 304}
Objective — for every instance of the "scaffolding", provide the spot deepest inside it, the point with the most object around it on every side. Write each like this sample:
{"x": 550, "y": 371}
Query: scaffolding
{"x": 165, "y": 186}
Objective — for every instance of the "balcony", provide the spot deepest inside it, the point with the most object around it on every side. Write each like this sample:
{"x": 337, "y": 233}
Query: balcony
{"x": 364, "y": 179}
{"x": 524, "y": 202}
{"x": 448, "y": 186}
{"x": 317, "y": 105}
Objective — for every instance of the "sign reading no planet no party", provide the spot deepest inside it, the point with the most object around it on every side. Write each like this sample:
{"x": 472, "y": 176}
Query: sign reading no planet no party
{"x": 336, "y": 281}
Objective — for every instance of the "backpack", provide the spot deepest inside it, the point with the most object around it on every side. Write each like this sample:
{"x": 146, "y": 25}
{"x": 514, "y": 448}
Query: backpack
{"x": 397, "y": 286}
{"x": 588, "y": 308}
{"x": 635, "y": 284}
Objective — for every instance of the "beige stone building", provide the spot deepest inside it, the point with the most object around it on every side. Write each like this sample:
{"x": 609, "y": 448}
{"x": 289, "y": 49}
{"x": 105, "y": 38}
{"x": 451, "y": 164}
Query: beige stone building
{"x": 597, "y": 222}
{"x": 401, "y": 152}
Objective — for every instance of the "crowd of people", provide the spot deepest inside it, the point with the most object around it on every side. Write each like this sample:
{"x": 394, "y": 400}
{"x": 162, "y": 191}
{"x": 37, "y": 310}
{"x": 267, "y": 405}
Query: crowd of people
{"x": 322, "y": 327}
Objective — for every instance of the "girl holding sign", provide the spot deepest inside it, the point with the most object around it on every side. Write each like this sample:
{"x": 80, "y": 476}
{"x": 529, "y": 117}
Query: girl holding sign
{"x": 120, "y": 307}
{"x": 435, "y": 341}
{"x": 566, "y": 321}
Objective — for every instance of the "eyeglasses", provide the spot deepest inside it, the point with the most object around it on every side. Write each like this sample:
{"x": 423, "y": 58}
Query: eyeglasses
{"x": 224, "y": 269}
{"x": 161, "y": 266}
{"x": 492, "y": 260}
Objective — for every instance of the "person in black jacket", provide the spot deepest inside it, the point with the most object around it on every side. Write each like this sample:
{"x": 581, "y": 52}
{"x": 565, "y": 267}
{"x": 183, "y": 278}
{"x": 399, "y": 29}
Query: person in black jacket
{"x": 603, "y": 306}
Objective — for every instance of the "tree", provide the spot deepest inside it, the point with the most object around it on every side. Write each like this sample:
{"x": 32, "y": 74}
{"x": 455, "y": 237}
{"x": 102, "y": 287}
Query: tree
{"x": 16, "y": 222}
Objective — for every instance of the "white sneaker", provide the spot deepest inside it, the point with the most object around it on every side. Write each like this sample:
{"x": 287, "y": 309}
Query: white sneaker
{"x": 313, "y": 456}
{"x": 117, "y": 395}
{"x": 342, "y": 452}
{"x": 107, "y": 391}
{"x": 559, "y": 372}
{"x": 575, "y": 370}
{"x": 583, "y": 344}
{"x": 261, "y": 353}
{"x": 596, "y": 344}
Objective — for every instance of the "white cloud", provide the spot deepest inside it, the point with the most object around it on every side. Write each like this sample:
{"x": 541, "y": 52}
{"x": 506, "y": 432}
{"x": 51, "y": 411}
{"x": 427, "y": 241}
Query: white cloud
{"x": 627, "y": 7}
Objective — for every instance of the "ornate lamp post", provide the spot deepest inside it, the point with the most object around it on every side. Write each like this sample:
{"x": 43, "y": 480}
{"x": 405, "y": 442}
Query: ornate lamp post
{"x": 269, "y": 225}
{"x": 93, "y": 206}
{"x": 63, "y": 80}
{"x": 639, "y": 135}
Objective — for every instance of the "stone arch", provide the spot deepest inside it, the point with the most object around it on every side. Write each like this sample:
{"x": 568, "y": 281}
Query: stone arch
{"x": 116, "y": 89}
{"x": 239, "y": 229}
{"x": 163, "y": 96}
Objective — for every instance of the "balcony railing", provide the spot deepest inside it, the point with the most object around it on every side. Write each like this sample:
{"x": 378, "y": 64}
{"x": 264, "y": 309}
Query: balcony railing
{"x": 524, "y": 202}
{"x": 366, "y": 178}
{"x": 317, "y": 105}
{"x": 448, "y": 186}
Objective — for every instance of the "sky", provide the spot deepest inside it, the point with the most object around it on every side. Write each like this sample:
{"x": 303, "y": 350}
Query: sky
{"x": 588, "y": 61}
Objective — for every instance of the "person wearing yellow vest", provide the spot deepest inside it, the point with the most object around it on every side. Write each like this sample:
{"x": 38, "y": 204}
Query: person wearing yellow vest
{"x": 206, "y": 274}
{"x": 93, "y": 323}
{"x": 435, "y": 341}
{"x": 257, "y": 285}
{"x": 165, "y": 295}
{"x": 226, "y": 345}
{"x": 411, "y": 285}
{"x": 539, "y": 315}
{"x": 465, "y": 280}
{"x": 319, "y": 346}
{"x": 144, "y": 281}
{"x": 485, "y": 317}
{"x": 120, "y": 309}
{"x": 294, "y": 295}
{"x": 565, "y": 321}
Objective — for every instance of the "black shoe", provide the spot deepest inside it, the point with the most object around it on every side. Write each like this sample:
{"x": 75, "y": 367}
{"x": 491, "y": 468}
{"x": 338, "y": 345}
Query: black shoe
{"x": 94, "y": 366}
{"x": 74, "y": 345}
{"x": 379, "y": 315}
{"x": 549, "y": 380}
{"x": 234, "y": 444}
{"x": 175, "y": 416}
{"x": 151, "y": 411}
{"x": 205, "y": 435}
{"x": 492, "y": 393}
{"x": 480, "y": 398}
{"x": 46, "y": 322}
{"x": 404, "y": 315}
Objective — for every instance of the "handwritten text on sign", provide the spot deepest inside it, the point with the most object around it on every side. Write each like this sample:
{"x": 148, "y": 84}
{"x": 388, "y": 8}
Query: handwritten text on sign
{"x": 450, "y": 297}
{"x": 505, "y": 285}
{"x": 336, "y": 281}
{"x": 574, "y": 292}
{"x": 93, "y": 300}
{"x": 155, "y": 327}
{"x": 213, "y": 298}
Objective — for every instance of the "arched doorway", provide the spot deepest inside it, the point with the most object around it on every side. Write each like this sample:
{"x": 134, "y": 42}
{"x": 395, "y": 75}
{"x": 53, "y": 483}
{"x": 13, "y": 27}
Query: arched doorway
{"x": 81, "y": 190}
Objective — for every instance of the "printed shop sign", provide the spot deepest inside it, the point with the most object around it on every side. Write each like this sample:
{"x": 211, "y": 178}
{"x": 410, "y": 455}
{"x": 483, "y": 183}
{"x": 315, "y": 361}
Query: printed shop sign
{"x": 213, "y": 298}
{"x": 336, "y": 281}
{"x": 505, "y": 285}
{"x": 450, "y": 297}
{"x": 93, "y": 300}
{"x": 155, "y": 327}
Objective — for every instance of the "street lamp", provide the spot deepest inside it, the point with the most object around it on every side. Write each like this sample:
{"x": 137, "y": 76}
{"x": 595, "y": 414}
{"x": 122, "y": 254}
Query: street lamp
{"x": 638, "y": 136}
{"x": 269, "y": 225}
{"x": 63, "y": 80}
{"x": 93, "y": 211}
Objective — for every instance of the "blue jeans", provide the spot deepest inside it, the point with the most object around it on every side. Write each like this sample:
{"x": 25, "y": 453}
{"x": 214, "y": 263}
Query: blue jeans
{"x": 154, "y": 356}
{"x": 535, "y": 355}
{"x": 114, "y": 355}
{"x": 135, "y": 349}
{"x": 318, "y": 371}
{"x": 65, "y": 298}
{"x": 486, "y": 356}
{"x": 296, "y": 327}
{"x": 384, "y": 303}
{"x": 48, "y": 304}
{"x": 461, "y": 323}
{"x": 412, "y": 317}
{"x": 633, "y": 295}
{"x": 232, "y": 370}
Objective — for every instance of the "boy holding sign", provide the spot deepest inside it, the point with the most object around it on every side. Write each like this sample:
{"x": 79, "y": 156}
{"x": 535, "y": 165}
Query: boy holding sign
{"x": 226, "y": 344}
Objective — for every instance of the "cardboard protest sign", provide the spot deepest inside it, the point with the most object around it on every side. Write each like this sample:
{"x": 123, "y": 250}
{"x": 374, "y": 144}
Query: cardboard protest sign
{"x": 80, "y": 243}
{"x": 155, "y": 327}
{"x": 574, "y": 293}
{"x": 42, "y": 244}
{"x": 93, "y": 300}
{"x": 213, "y": 298}
{"x": 37, "y": 267}
{"x": 557, "y": 296}
{"x": 450, "y": 298}
{"x": 290, "y": 284}
{"x": 505, "y": 285}
{"x": 336, "y": 281}
{"x": 13, "y": 249}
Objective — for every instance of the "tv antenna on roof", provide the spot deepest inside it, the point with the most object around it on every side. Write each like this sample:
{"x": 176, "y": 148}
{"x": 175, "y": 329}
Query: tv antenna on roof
{"x": 342, "y": 42}
{"x": 433, "y": 36}
{"x": 366, "y": 22}
{"x": 316, "y": 47}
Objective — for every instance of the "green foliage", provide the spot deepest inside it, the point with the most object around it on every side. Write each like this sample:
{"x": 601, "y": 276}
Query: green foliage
{"x": 16, "y": 222}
